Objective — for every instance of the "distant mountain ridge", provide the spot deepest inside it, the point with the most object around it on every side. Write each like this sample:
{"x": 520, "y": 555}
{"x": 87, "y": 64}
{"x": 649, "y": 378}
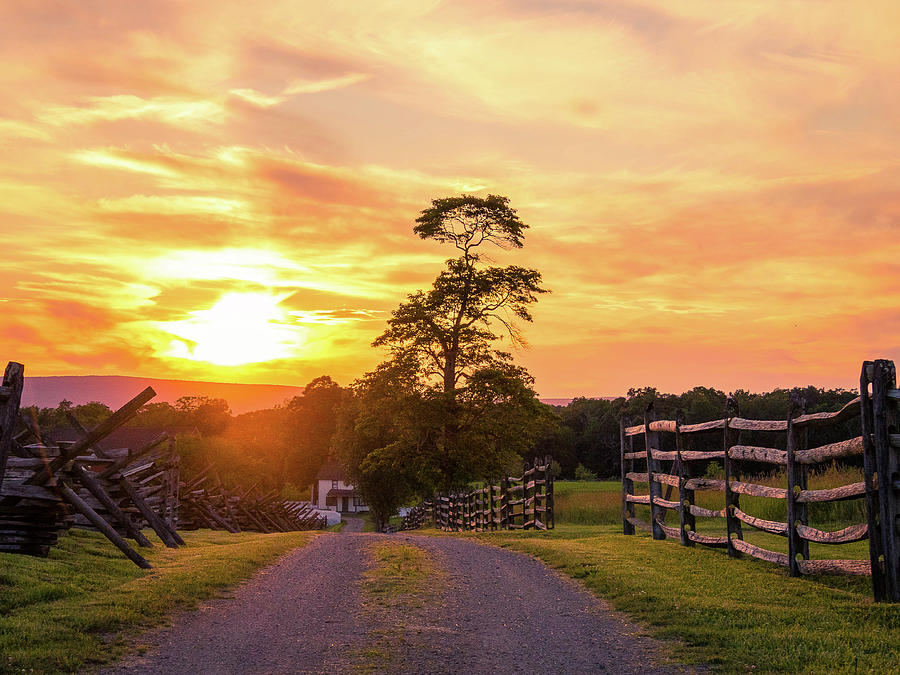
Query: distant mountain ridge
{"x": 115, "y": 390}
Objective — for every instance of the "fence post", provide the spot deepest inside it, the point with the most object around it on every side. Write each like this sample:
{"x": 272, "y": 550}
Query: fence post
{"x": 796, "y": 512}
{"x": 627, "y": 483}
{"x": 870, "y": 467}
{"x": 502, "y": 504}
{"x": 551, "y": 516}
{"x": 651, "y": 443}
{"x": 491, "y": 505}
{"x": 454, "y": 512}
{"x": 732, "y": 524}
{"x": 482, "y": 501}
{"x": 535, "y": 488}
{"x": 525, "y": 468}
{"x": 13, "y": 383}
{"x": 886, "y": 418}
{"x": 685, "y": 496}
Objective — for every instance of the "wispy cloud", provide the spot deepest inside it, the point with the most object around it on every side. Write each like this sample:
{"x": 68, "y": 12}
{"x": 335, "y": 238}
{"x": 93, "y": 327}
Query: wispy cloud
{"x": 178, "y": 112}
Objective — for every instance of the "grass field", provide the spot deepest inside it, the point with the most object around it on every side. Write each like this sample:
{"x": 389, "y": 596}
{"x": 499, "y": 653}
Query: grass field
{"x": 600, "y": 502}
{"x": 736, "y": 615}
{"x": 78, "y": 607}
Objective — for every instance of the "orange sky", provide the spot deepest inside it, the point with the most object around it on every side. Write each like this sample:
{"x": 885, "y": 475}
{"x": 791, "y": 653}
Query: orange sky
{"x": 713, "y": 187}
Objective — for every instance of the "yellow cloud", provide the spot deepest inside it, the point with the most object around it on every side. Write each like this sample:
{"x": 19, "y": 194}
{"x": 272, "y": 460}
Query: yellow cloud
{"x": 317, "y": 86}
{"x": 167, "y": 110}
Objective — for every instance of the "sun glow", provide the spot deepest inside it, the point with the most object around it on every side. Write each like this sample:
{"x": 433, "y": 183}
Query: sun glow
{"x": 240, "y": 328}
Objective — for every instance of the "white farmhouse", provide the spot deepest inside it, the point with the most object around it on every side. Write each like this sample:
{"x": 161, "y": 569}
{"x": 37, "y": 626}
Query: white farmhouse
{"x": 331, "y": 490}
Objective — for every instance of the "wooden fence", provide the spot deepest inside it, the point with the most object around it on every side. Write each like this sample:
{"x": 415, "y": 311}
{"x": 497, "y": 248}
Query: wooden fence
{"x": 516, "y": 503}
{"x": 878, "y": 407}
{"x": 47, "y": 488}
{"x": 207, "y": 502}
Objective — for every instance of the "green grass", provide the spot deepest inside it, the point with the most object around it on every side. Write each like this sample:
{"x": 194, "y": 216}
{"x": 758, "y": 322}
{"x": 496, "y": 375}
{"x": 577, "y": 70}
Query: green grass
{"x": 587, "y": 502}
{"x": 79, "y": 607}
{"x": 600, "y": 502}
{"x": 337, "y": 527}
{"x": 401, "y": 581}
{"x": 399, "y": 574}
{"x": 367, "y": 518}
{"x": 739, "y": 615}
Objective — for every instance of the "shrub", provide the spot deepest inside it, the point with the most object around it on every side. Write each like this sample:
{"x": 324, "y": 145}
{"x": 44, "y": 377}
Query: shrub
{"x": 583, "y": 473}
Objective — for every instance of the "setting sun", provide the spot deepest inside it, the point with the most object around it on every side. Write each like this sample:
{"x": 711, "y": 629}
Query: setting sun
{"x": 240, "y": 328}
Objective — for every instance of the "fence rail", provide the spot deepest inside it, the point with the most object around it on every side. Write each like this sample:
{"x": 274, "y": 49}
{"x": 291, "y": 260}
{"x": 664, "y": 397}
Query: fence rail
{"x": 879, "y": 445}
{"x": 48, "y": 487}
{"x": 517, "y": 503}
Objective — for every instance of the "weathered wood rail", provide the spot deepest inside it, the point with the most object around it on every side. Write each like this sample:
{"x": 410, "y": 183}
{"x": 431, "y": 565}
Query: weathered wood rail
{"x": 516, "y": 503}
{"x": 206, "y": 502}
{"x": 47, "y": 488}
{"x": 878, "y": 408}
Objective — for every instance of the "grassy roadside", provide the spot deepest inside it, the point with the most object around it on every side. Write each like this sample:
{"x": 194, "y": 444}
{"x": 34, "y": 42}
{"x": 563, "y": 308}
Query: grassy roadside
{"x": 97, "y": 599}
{"x": 740, "y": 615}
{"x": 737, "y": 615}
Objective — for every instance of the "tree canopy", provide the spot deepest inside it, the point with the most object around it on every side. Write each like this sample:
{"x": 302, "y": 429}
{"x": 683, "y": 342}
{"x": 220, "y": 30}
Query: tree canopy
{"x": 451, "y": 328}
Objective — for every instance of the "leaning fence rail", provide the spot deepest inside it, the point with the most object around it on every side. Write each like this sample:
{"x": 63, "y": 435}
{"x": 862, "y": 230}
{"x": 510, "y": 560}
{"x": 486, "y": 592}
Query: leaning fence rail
{"x": 878, "y": 406}
{"x": 516, "y": 503}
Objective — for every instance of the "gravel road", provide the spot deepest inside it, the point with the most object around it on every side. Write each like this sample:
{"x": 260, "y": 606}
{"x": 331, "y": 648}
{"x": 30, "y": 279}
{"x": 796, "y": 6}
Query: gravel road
{"x": 353, "y": 524}
{"x": 495, "y": 612}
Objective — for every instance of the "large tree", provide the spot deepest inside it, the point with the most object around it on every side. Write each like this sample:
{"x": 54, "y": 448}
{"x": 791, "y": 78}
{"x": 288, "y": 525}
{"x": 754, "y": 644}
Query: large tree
{"x": 451, "y": 328}
{"x": 467, "y": 411}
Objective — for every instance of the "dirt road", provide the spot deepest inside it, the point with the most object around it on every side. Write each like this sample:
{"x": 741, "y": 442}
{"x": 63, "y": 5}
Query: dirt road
{"x": 353, "y": 524}
{"x": 493, "y": 611}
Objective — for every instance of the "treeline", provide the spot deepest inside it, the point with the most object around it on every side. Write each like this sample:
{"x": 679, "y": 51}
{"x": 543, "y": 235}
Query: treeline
{"x": 284, "y": 447}
{"x": 587, "y": 433}
{"x": 281, "y": 447}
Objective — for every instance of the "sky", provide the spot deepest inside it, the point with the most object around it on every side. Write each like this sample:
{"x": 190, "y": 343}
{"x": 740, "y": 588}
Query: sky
{"x": 226, "y": 191}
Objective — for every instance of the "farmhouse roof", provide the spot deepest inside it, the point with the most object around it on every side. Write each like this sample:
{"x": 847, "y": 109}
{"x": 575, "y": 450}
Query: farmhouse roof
{"x": 333, "y": 492}
{"x": 331, "y": 470}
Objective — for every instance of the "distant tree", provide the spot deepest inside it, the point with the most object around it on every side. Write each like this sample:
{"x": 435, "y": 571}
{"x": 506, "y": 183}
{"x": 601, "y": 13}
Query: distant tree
{"x": 385, "y": 435}
{"x": 311, "y": 420}
{"x": 210, "y": 415}
{"x": 256, "y": 444}
{"x": 49, "y": 419}
{"x": 158, "y": 415}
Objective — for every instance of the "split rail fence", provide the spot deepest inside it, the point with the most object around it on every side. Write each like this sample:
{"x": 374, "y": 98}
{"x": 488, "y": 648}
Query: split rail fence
{"x": 517, "y": 503}
{"x": 682, "y": 469}
{"x": 46, "y": 488}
